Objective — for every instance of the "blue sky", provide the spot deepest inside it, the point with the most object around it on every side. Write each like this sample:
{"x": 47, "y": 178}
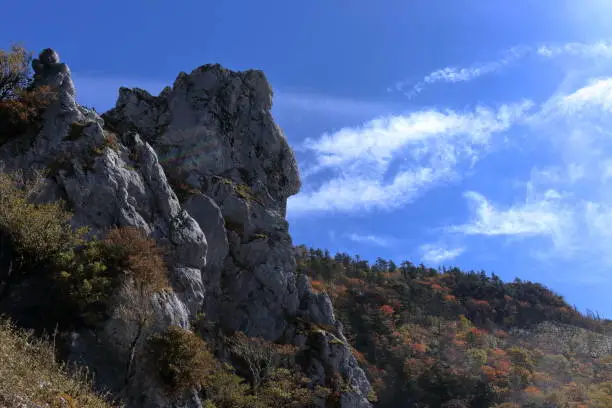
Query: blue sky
{"x": 468, "y": 133}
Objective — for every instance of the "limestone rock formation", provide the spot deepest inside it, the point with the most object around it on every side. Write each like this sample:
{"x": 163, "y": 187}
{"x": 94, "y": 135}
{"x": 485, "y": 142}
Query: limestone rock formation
{"x": 204, "y": 169}
{"x": 112, "y": 180}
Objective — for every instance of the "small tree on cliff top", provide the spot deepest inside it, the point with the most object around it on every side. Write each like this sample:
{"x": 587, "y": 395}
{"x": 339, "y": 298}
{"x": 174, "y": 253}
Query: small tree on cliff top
{"x": 15, "y": 71}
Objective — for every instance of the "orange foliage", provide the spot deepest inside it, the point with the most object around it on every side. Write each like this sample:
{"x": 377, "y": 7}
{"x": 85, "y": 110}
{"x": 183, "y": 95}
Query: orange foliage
{"x": 418, "y": 347}
{"x": 317, "y": 286}
{"x": 533, "y": 390}
{"x": 436, "y": 287}
{"x": 489, "y": 372}
{"x": 459, "y": 343}
{"x": 359, "y": 356}
{"x": 450, "y": 298}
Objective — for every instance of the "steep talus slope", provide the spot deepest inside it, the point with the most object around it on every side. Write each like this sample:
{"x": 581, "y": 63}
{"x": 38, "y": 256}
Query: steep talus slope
{"x": 204, "y": 170}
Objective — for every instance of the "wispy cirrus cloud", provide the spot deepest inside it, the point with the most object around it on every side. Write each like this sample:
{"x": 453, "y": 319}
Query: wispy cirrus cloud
{"x": 427, "y": 147}
{"x": 370, "y": 239}
{"x": 454, "y": 74}
{"x": 317, "y": 103}
{"x": 437, "y": 254}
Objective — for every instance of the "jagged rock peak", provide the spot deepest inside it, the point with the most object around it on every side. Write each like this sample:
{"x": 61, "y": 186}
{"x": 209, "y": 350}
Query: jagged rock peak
{"x": 222, "y": 121}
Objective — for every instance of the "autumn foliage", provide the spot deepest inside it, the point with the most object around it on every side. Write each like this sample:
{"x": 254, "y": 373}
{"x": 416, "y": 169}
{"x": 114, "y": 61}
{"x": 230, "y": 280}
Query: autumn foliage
{"x": 449, "y": 338}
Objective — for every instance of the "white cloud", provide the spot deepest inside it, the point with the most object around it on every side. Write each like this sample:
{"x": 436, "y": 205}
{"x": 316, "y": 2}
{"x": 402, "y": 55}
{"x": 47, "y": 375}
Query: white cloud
{"x": 328, "y": 104}
{"x": 428, "y": 146}
{"x": 453, "y": 74}
{"x": 601, "y": 49}
{"x": 597, "y": 94}
{"x": 537, "y": 216}
{"x": 568, "y": 203}
{"x": 436, "y": 254}
{"x": 369, "y": 239}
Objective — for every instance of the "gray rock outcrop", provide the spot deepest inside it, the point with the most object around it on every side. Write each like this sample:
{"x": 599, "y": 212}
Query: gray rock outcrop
{"x": 113, "y": 180}
{"x": 216, "y": 136}
{"x": 204, "y": 169}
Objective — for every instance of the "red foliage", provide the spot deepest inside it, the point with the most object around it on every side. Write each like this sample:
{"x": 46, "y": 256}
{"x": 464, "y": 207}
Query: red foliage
{"x": 386, "y": 310}
{"x": 480, "y": 303}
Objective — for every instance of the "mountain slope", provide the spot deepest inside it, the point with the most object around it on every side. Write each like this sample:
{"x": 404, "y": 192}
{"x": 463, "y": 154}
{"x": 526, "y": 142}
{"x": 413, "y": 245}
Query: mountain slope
{"x": 451, "y": 339}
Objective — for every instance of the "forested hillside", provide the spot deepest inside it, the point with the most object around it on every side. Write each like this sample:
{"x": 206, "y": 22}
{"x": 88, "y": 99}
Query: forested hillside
{"x": 449, "y": 338}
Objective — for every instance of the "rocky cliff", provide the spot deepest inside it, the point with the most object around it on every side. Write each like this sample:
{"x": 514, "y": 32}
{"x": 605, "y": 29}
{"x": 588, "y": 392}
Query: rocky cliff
{"x": 206, "y": 172}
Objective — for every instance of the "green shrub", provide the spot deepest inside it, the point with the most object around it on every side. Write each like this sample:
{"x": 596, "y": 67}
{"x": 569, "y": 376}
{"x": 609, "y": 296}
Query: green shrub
{"x": 286, "y": 388}
{"x": 37, "y": 232}
{"x": 92, "y": 274}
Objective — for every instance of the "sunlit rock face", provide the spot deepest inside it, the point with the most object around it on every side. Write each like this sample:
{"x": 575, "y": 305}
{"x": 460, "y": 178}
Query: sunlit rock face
{"x": 204, "y": 170}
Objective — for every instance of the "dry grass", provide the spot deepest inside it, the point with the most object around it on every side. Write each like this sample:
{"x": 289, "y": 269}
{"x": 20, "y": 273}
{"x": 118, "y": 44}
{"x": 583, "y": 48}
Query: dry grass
{"x": 30, "y": 376}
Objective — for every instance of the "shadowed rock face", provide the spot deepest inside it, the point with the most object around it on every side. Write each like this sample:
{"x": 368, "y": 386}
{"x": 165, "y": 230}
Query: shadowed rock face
{"x": 203, "y": 169}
